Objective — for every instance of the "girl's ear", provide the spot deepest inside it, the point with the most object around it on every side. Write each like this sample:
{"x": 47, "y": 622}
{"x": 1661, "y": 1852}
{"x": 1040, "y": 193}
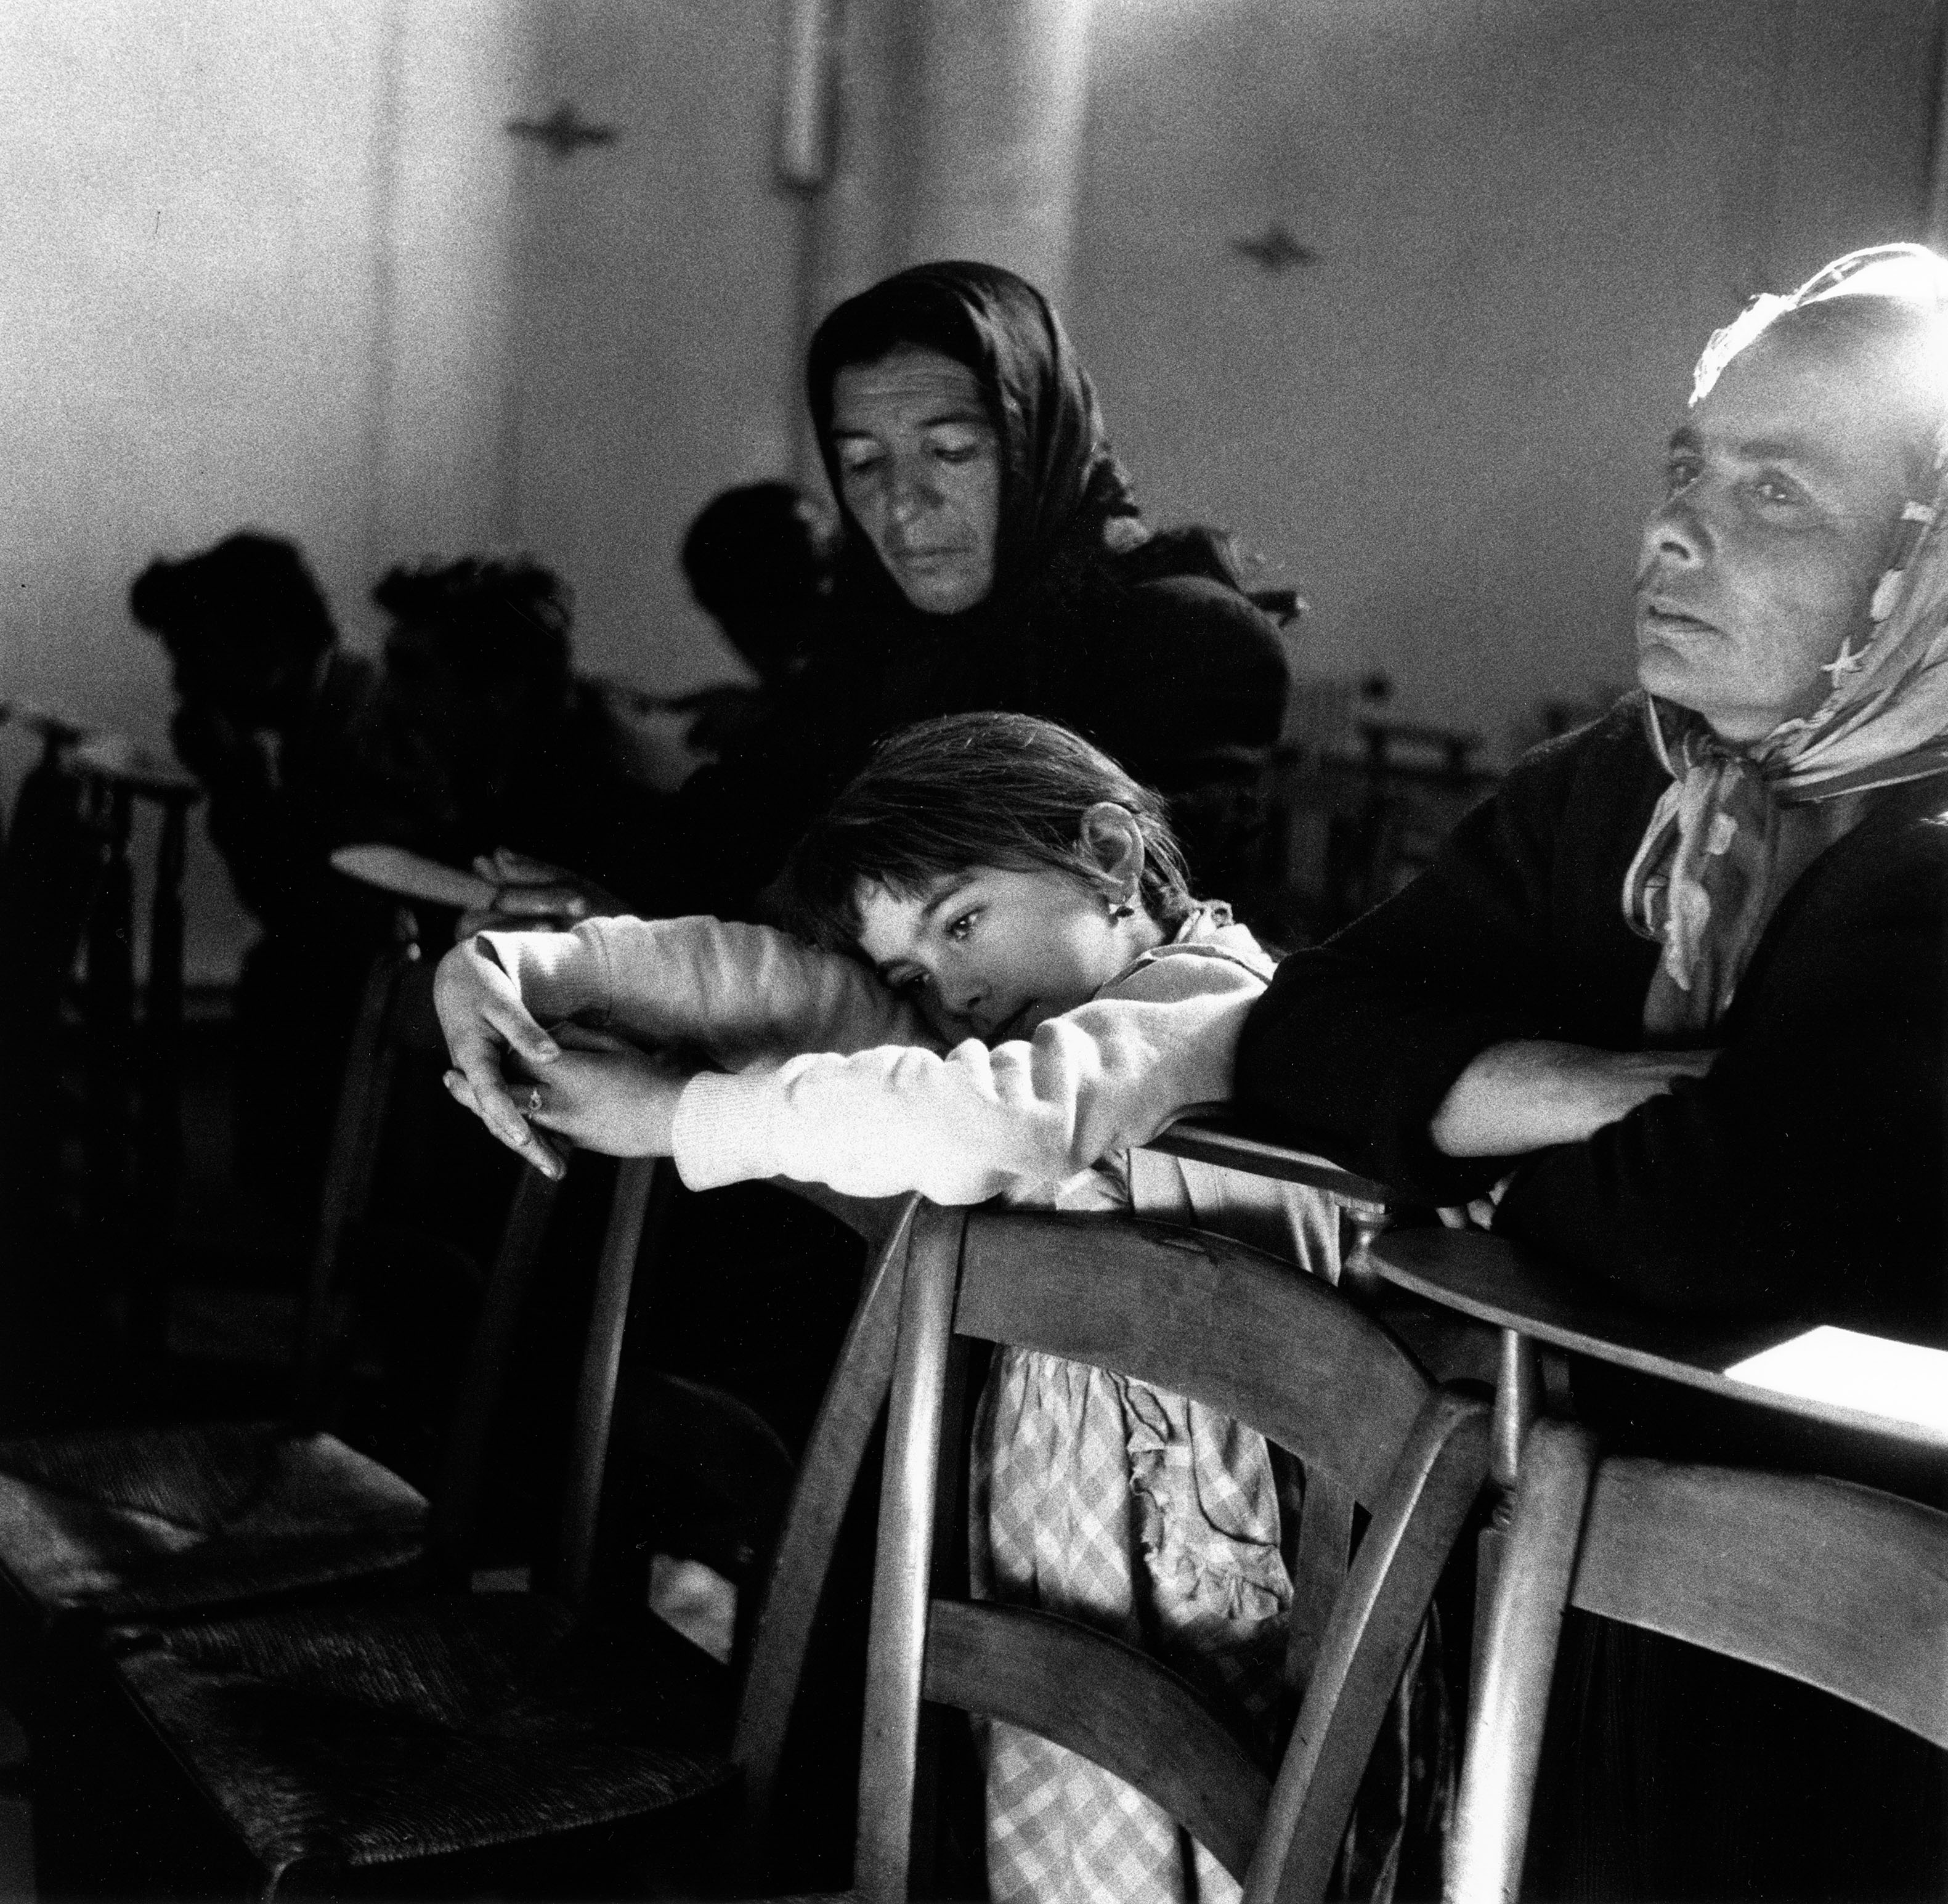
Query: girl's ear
{"x": 1112, "y": 842}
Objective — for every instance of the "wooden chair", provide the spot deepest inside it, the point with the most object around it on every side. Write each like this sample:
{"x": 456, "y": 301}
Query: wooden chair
{"x": 344, "y": 1743}
{"x": 118, "y": 1525}
{"x": 1838, "y": 1586}
{"x": 1243, "y": 1333}
{"x": 49, "y": 873}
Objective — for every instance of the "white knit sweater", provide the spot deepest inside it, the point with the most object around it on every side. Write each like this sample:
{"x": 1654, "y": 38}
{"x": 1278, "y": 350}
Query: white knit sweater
{"x": 824, "y": 1075}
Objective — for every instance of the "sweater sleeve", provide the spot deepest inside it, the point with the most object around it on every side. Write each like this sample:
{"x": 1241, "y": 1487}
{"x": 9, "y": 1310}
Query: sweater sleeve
{"x": 742, "y": 993}
{"x": 976, "y": 1122}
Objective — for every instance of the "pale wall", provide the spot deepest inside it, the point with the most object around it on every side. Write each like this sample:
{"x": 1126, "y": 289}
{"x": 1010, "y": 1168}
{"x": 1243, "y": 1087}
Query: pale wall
{"x": 278, "y": 263}
{"x": 1529, "y": 215}
{"x": 186, "y": 314}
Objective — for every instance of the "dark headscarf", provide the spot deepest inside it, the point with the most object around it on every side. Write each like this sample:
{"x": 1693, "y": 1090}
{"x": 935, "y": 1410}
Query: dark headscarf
{"x": 1066, "y": 505}
{"x": 1182, "y": 688}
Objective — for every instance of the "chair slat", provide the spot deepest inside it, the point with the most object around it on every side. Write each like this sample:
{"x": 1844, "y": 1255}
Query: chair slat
{"x": 490, "y": 1349}
{"x": 1107, "y": 1701}
{"x": 1838, "y": 1586}
{"x": 782, "y": 1633}
{"x": 1319, "y": 1571}
{"x": 1415, "y": 1521}
{"x": 889, "y": 1745}
{"x": 639, "y": 1181}
{"x": 1249, "y": 1336}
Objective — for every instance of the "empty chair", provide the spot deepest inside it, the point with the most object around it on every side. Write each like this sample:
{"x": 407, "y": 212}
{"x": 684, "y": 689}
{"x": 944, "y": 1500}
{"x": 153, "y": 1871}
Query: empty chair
{"x": 1249, "y": 1335}
{"x": 1837, "y": 1586}
{"x": 121, "y": 1524}
{"x": 339, "y": 1741}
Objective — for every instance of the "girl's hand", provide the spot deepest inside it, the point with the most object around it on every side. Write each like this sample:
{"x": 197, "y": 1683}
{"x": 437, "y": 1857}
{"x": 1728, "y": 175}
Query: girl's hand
{"x": 608, "y": 1095}
{"x": 531, "y": 895}
{"x": 1528, "y": 1094}
{"x": 487, "y": 1029}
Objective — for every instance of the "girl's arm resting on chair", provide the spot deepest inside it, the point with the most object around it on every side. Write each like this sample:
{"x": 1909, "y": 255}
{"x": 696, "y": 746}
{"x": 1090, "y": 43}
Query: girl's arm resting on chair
{"x": 976, "y": 1122}
{"x": 741, "y": 991}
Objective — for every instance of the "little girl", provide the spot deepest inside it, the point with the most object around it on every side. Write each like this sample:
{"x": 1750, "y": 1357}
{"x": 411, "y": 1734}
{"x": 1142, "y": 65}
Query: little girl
{"x": 1012, "y": 989}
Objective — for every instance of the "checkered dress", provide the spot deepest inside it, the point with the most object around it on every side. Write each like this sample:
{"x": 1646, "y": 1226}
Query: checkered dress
{"x": 1156, "y": 1521}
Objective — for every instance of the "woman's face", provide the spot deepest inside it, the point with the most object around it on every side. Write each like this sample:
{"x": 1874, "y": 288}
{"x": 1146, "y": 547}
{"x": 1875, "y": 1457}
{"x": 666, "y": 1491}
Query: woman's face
{"x": 919, "y": 468}
{"x": 1782, "y": 487}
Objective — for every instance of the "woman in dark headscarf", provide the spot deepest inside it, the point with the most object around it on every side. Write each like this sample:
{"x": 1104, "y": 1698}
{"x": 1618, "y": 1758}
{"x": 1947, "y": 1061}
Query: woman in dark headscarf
{"x": 992, "y": 556}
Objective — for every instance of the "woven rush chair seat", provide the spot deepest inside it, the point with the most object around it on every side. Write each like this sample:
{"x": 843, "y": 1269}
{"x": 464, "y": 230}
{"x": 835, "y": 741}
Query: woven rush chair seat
{"x": 129, "y": 1525}
{"x": 340, "y": 1735}
{"x": 125, "y": 1526}
{"x": 361, "y": 1735}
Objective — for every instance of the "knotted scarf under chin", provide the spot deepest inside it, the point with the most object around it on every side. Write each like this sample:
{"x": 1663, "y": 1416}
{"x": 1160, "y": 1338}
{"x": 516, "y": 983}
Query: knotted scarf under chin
{"x": 1739, "y": 824}
{"x": 1724, "y": 844}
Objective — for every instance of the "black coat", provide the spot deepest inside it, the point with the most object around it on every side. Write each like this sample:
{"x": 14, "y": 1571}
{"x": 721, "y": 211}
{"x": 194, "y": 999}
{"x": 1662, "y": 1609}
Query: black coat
{"x": 1804, "y": 1175}
{"x": 1179, "y": 678}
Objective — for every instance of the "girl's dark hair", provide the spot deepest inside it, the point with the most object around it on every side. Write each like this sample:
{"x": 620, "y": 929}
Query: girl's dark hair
{"x": 940, "y": 798}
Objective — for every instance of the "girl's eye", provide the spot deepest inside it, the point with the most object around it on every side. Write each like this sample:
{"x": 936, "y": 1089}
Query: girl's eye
{"x": 963, "y": 925}
{"x": 1679, "y": 473}
{"x": 904, "y": 983}
{"x": 1775, "y": 489}
{"x": 857, "y": 462}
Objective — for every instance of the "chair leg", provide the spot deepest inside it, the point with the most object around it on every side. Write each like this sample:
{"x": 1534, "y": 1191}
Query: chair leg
{"x": 1515, "y": 1663}
{"x": 1433, "y": 1488}
{"x": 889, "y": 1765}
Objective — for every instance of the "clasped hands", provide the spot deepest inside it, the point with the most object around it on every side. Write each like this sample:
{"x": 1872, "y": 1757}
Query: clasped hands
{"x": 598, "y": 1090}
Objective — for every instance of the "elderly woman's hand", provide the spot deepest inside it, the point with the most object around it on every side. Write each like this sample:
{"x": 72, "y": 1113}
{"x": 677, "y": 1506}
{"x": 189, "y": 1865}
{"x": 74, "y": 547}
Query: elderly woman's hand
{"x": 1528, "y": 1094}
{"x": 531, "y": 895}
{"x": 609, "y": 1095}
{"x": 487, "y": 1027}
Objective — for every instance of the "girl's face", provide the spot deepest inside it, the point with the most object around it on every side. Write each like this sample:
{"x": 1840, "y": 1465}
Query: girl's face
{"x": 919, "y": 468}
{"x": 991, "y": 952}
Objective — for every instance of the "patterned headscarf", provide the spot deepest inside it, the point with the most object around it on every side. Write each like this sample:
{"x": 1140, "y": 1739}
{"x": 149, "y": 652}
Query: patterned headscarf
{"x": 1739, "y": 824}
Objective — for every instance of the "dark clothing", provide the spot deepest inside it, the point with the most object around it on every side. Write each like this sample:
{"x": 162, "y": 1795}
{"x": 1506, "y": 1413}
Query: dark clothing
{"x": 1803, "y": 1176}
{"x": 451, "y": 773}
{"x": 1181, "y": 678}
{"x": 1145, "y": 644}
{"x": 275, "y": 811}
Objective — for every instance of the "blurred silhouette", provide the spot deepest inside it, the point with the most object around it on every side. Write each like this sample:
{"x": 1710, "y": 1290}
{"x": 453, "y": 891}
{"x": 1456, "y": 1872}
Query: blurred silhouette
{"x": 759, "y": 562}
{"x": 271, "y": 716}
{"x": 484, "y": 735}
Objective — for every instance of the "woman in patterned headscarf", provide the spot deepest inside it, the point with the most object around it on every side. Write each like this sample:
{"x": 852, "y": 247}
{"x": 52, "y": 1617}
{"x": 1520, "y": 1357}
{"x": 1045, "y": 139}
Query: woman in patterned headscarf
{"x": 992, "y": 556}
{"x": 1685, "y": 974}
{"x": 1685, "y": 971}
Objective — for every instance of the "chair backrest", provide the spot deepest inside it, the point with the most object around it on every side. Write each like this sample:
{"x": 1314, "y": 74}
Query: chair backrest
{"x": 1244, "y": 1333}
{"x": 396, "y": 1021}
{"x": 1839, "y": 1586}
{"x": 395, "y": 1016}
{"x": 802, "y": 1557}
